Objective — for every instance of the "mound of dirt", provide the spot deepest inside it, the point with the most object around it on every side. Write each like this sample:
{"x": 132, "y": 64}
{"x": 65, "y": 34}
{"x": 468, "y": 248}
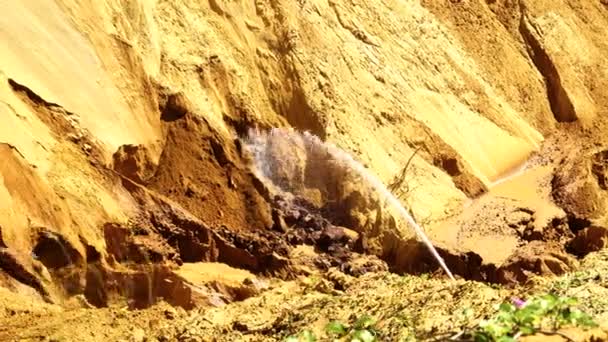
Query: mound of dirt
{"x": 206, "y": 173}
{"x": 579, "y": 188}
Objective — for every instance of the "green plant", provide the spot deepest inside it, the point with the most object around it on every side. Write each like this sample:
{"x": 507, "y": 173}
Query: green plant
{"x": 362, "y": 331}
{"x": 546, "y": 313}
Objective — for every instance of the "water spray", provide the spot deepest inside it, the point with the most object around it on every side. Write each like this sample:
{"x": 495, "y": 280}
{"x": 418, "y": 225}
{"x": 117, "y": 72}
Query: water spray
{"x": 257, "y": 145}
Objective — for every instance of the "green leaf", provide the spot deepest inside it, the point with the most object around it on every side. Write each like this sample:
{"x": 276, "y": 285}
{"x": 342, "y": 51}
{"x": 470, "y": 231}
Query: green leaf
{"x": 507, "y": 307}
{"x": 527, "y": 330}
{"x": 548, "y": 302}
{"x": 308, "y": 336}
{"x": 568, "y": 301}
{"x": 495, "y": 329}
{"x": 527, "y": 319}
{"x": 588, "y": 322}
{"x": 534, "y": 308}
{"x": 365, "y": 322}
{"x": 577, "y": 317}
{"x": 363, "y": 336}
{"x": 336, "y": 328}
{"x": 292, "y": 339}
{"x": 550, "y": 297}
{"x": 482, "y": 337}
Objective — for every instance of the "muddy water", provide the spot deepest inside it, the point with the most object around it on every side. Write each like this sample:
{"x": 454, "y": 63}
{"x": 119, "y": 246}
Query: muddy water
{"x": 510, "y": 173}
{"x": 530, "y": 186}
{"x": 483, "y": 226}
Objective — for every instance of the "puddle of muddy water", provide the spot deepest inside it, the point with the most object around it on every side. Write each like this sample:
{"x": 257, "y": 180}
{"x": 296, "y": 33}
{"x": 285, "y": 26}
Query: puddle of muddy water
{"x": 482, "y": 226}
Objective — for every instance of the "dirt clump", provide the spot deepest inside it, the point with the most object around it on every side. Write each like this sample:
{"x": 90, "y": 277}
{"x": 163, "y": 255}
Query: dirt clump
{"x": 589, "y": 239}
{"x": 577, "y": 186}
{"x": 205, "y": 173}
{"x": 535, "y": 258}
{"x": 173, "y": 106}
{"x": 137, "y": 245}
{"x": 134, "y": 162}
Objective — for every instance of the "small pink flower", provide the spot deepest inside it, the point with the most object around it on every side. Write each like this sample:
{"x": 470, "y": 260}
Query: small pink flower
{"x": 519, "y": 303}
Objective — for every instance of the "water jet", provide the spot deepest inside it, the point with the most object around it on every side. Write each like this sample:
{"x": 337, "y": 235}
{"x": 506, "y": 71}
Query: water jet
{"x": 258, "y": 144}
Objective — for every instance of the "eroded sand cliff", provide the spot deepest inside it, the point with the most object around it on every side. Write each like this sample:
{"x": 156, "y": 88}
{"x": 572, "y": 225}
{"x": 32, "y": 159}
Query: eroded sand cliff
{"x": 123, "y": 159}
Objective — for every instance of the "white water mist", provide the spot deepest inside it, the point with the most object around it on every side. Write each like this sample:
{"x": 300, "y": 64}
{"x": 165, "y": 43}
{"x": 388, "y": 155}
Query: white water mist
{"x": 257, "y": 145}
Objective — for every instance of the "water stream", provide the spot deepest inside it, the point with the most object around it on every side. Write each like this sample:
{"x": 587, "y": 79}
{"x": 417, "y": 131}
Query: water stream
{"x": 258, "y": 145}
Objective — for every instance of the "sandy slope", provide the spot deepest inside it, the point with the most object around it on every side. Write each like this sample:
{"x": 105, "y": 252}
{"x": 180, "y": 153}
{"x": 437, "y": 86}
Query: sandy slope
{"x": 120, "y": 157}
